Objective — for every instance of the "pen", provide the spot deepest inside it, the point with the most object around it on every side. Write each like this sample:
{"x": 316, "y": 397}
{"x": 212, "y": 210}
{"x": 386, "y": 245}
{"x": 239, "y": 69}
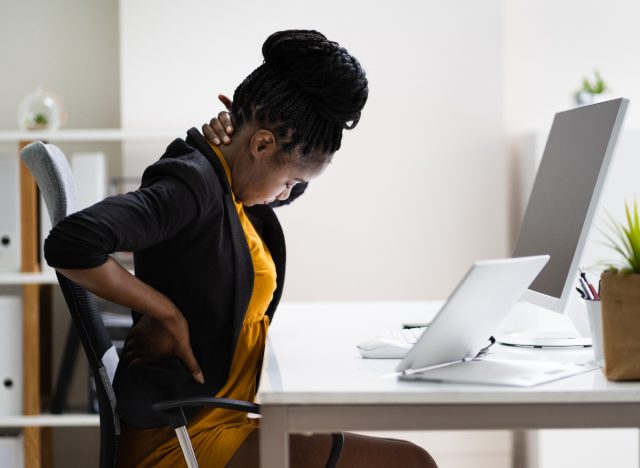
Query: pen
{"x": 592, "y": 290}
{"x": 585, "y": 288}
{"x": 580, "y": 292}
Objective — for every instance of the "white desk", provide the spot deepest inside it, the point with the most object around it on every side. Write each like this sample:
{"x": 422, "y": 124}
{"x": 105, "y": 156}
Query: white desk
{"x": 315, "y": 381}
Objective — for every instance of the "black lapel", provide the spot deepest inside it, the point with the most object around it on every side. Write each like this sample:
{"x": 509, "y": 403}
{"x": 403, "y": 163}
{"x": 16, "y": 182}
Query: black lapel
{"x": 243, "y": 266}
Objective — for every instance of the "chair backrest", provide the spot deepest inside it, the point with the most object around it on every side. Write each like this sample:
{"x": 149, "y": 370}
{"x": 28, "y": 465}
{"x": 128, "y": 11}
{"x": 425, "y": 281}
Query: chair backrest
{"x": 51, "y": 171}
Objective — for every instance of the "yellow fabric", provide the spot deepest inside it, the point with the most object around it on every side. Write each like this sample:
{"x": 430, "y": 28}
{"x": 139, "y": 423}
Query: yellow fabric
{"x": 217, "y": 433}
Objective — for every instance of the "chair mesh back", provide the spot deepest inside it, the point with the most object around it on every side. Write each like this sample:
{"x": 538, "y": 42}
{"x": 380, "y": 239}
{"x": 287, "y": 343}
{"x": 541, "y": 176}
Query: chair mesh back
{"x": 52, "y": 173}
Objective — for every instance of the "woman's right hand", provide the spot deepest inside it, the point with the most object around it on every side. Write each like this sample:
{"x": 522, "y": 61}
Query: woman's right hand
{"x": 153, "y": 339}
{"x": 219, "y": 129}
{"x": 161, "y": 332}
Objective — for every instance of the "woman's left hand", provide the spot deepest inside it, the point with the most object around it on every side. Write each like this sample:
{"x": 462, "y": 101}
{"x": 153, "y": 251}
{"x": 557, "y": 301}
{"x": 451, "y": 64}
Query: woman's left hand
{"x": 219, "y": 129}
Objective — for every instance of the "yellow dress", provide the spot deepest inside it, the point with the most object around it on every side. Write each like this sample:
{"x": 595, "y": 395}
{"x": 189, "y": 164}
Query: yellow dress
{"x": 217, "y": 433}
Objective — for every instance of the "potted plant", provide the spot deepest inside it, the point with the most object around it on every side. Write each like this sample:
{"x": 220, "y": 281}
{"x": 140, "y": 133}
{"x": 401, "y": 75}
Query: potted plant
{"x": 620, "y": 296}
{"x": 592, "y": 91}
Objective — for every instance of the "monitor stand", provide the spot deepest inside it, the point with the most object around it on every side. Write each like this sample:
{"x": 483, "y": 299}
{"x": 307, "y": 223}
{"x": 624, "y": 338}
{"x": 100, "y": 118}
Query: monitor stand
{"x": 530, "y": 325}
{"x": 543, "y": 339}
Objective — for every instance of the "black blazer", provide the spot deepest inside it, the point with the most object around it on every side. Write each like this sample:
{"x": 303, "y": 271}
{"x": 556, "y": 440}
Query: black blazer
{"x": 188, "y": 243}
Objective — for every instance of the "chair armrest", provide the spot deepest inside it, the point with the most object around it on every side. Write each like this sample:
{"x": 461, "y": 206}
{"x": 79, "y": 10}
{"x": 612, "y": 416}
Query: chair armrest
{"x": 173, "y": 408}
{"x": 226, "y": 403}
{"x": 178, "y": 421}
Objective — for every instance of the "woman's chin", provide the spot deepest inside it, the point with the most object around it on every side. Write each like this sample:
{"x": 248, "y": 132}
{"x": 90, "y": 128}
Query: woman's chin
{"x": 249, "y": 203}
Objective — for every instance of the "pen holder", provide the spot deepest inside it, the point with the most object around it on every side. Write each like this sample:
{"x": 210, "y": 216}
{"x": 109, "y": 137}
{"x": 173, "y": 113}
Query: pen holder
{"x": 594, "y": 312}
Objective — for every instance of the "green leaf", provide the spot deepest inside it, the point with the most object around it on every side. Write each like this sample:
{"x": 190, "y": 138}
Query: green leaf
{"x": 625, "y": 239}
{"x": 600, "y": 85}
{"x": 41, "y": 119}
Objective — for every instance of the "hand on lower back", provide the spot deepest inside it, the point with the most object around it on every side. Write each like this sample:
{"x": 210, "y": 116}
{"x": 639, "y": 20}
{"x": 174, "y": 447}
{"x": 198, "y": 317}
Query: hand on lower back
{"x": 152, "y": 339}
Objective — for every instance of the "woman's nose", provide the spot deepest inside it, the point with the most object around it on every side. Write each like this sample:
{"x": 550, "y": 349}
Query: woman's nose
{"x": 284, "y": 194}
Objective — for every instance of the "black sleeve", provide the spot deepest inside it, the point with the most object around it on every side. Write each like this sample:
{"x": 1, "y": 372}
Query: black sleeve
{"x": 173, "y": 194}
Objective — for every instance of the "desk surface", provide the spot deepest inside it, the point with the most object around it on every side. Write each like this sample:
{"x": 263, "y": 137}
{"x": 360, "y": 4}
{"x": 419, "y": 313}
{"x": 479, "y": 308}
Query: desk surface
{"x": 312, "y": 360}
{"x": 314, "y": 380}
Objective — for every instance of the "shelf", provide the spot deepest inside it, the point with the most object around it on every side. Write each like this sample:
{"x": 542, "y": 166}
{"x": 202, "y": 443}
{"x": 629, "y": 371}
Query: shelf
{"x": 48, "y": 277}
{"x": 92, "y": 135}
{"x": 50, "y": 420}
{"x": 28, "y": 278}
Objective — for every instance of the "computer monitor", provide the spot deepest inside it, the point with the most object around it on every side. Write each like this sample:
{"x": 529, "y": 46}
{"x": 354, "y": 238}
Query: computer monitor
{"x": 565, "y": 196}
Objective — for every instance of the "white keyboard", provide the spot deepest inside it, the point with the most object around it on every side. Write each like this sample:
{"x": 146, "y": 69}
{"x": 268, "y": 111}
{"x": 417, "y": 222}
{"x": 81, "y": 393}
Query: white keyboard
{"x": 405, "y": 335}
{"x": 390, "y": 345}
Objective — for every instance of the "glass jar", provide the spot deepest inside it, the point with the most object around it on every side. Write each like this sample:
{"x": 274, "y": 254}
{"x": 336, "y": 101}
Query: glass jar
{"x": 39, "y": 110}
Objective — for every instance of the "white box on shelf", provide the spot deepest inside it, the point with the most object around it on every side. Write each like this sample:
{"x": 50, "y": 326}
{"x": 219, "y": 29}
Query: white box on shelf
{"x": 10, "y": 353}
{"x": 11, "y": 451}
{"x": 9, "y": 213}
{"x": 90, "y": 175}
{"x": 45, "y": 227}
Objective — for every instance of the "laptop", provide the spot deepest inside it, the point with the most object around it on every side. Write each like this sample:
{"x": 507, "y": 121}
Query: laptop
{"x": 471, "y": 294}
{"x": 448, "y": 350}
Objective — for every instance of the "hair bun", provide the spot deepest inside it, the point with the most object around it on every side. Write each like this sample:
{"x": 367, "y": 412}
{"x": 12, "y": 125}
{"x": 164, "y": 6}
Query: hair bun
{"x": 325, "y": 72}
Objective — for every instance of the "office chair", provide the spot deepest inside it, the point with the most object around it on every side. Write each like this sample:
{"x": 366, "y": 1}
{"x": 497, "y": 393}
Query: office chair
{"x": 51, "y": 171}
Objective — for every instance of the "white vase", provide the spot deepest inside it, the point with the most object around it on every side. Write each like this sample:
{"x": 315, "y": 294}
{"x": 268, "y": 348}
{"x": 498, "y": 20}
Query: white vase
{"x": 584, "y": 99}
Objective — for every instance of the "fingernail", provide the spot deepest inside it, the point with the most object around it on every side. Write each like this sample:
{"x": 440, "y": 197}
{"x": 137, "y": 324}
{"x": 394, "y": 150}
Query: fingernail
{"x": 229, "y": 129}
{"x": 200, "y": 377}
{"x": 216, "y": 141}
{"x": 225, "y": 139}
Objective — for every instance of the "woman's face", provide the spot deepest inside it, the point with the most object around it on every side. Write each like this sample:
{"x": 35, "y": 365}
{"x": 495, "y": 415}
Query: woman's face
{"x": 271, "y": 178}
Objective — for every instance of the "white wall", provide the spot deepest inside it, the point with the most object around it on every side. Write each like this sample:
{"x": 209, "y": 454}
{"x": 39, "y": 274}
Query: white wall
{"x": 69, "y": 46}
{"x": 549, "y": 46}
{"x": 418, "y": 190}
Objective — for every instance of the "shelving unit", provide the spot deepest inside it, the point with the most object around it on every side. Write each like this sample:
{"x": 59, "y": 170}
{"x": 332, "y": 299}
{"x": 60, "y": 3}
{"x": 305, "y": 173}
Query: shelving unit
{"x": 36, "y": 285}
{"x": 12, "y": 279}
{"x": 50, "y": 420}
{"x": 87, "y": 135}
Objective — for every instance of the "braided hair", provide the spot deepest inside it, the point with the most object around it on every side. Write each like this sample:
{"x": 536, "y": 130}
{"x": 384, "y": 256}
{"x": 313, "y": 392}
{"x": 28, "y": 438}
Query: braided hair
{"x": 306, "y": 92}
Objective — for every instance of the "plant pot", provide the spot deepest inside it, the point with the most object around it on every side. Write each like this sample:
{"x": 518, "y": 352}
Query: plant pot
{"x": 620, "y": 296}
{"x": 584, "y": 99}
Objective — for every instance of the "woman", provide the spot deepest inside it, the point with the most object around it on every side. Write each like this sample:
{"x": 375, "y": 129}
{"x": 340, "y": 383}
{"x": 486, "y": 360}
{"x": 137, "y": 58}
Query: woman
{"x": 209, "y": 259}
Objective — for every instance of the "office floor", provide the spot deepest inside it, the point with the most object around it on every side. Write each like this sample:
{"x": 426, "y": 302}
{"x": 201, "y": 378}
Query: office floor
{"x": 451, "y": 449}
{"x": 558, "y": 448}
{"x": 462, "y": 449}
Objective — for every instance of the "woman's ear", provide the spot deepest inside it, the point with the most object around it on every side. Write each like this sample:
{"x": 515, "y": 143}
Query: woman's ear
{"x": 263, "y": 144}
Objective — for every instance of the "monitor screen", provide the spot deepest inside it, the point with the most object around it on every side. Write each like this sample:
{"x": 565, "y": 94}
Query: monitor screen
{"x": 565, "y": 195}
